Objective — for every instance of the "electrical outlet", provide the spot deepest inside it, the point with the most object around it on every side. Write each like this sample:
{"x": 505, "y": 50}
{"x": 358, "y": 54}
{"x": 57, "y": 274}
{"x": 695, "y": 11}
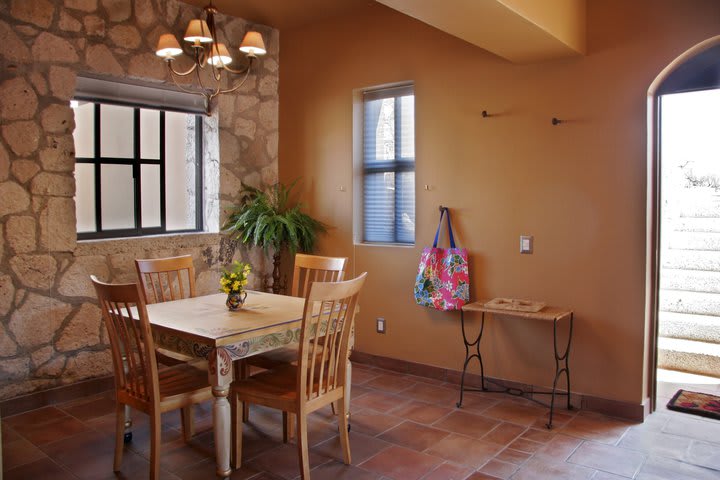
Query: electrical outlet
{"x": 380, "y": 325}
{"x": 526, "y": 244}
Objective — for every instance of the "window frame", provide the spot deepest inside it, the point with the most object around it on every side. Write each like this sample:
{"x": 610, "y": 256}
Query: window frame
{"x": 395, "y": 166}
{"x": 136, "y": 162}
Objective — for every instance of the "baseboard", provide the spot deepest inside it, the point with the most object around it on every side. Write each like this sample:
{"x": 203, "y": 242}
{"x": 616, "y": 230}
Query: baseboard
{"x": 53, "y": 396}
{"x": 615, "y": 408}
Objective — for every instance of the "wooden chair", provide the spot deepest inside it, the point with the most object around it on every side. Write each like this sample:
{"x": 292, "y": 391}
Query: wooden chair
{"x": 165, "y": 279}
{"x": 307, "y": 269}
{"x": 139, "y": 383}
{"x": 319, "y": 378}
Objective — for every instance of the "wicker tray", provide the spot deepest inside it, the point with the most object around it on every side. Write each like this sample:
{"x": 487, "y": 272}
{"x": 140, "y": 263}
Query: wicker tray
{"x": 515, "y": 305}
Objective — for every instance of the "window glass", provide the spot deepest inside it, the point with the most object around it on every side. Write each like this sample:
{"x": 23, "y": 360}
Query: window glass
{"x": 180, "y": 171}
{"x": 84, "y": 134}
{"x": 150, "y": 195}
{"x": 116, "y": 187}
{"x": 116, "y": 131}
{"x": 389, "y": 166}
{"x": 150, "y": 134}
{"x": 85, "y": 197}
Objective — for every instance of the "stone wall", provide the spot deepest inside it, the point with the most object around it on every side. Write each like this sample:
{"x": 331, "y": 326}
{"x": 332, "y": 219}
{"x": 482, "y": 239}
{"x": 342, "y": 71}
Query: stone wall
{"x": 50, "y": 330}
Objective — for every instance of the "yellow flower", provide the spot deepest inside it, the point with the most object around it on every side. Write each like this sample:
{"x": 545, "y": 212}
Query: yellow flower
{"x": 236, "y": 285}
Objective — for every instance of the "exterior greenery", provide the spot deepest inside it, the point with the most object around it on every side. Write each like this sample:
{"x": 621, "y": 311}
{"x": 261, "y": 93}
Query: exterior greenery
{"x": 271, "y": 219}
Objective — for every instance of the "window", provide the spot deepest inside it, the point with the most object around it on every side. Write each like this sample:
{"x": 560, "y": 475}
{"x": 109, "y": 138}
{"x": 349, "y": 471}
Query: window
{"x": 138, "y": 170}
{"x": 388, "y": 166}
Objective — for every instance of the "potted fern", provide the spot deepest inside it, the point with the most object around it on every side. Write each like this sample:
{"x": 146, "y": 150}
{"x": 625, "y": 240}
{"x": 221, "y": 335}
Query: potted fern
{"x": 271, "y": 219}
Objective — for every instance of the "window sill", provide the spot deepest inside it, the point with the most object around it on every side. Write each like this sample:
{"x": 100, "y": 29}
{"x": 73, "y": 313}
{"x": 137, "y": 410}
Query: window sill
{"x": 168, "y": 241}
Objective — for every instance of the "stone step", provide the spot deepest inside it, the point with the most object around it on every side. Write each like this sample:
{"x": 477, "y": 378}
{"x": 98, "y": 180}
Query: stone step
{"x": 694, "y": 241}
{"x": 689, "y": 356}
{"x": 691, "y": 260}
{"x": 703, "y": 328}
{"x": 688, "y": 224}
{"x": 690, "y": 280}
{"x": 699, "y": 203}
{"x": 680, "y": 301}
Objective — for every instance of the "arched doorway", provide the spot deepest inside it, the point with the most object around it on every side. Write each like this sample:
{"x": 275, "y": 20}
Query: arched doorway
{"x": 695, "y": 70}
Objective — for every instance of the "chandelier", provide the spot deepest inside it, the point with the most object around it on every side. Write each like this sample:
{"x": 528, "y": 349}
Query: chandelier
{"x": 208, "y": 55}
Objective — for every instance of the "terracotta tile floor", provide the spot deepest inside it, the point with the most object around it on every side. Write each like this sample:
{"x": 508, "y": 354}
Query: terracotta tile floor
{"x": 403, "y": 428}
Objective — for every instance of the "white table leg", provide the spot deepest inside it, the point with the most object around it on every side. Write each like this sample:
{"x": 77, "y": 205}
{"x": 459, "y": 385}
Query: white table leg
{"x": 220, "y": 375}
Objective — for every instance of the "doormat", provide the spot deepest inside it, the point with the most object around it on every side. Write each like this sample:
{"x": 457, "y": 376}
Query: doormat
{"x": 696, "y": 403}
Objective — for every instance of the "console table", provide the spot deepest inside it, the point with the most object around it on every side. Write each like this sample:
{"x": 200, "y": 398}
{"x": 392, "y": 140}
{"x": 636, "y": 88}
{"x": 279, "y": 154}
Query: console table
{"x": 547, "y": 314}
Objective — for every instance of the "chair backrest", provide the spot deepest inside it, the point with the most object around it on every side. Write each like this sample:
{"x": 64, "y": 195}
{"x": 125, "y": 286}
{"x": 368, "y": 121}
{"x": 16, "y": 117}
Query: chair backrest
{"x": 325, "y": 336}
{"x": 165, "y": 279}
{"x": 315, "y": 268}
{"x": 131, "y": 340}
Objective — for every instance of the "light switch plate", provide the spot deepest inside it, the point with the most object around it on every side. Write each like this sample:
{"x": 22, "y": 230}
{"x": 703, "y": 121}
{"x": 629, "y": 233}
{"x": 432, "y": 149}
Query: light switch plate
{"x": 526, "y": 244}
{"x": 380, "y": 324}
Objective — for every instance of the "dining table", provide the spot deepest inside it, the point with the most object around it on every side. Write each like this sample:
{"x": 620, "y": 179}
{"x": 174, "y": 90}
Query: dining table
{"x": 204, "y": 327}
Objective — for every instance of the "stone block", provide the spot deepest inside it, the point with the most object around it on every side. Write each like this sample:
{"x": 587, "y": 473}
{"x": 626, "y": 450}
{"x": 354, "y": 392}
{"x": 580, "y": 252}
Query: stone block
{"x": 27, "y": 30}
{"x": 53, "y": 368}
{"x": 245, "y": 102}
{"x": 22, "y": 137}
{"x": 20, "y": 234}
{"x": 269, "y": 114}
{"x": 271, "y": 145}
{"x": 7, "y": 293}
{"x": 147, "y": 66}
{"x": 270, "y": 64}
{"x": 62, "y": 82}
{"x": 144, "y": 13}
{"x": 88, "y": 365}
{"x": 58, "y": 118}
{"x": 83, "y": 330}
{"x": 8, "y": 347}
{"x": 94, "y": 26}
{"x": 207, "y": 282}
{"x": 58, "y": 225}
{"x": 57, "y": 184}
{"x": 117, "y": 10}
{"x": 245, "y": 128}
{"x": 37, "y": 12}
{"x": 15, "y": 198}
{"x": 19, "y": 99}
{"x": 75, "y": 282}
{"x": 37, "y": 321}
{"x": 39, "y": 82}
{"x": 12, "y": 48}
{"x": 125, "y": 36}
{"x": 35, "y": 271}
{"x": 84, "y": 5}
{"x": 42, "y": 355}
{"x": 24, "y": 170}
{"x": 268, "y": 86}
{"x": 269, "y": 174}
{"x": 14, "y": 369}
{"x": 69, "y": 23}
{"x": 4, "y": 164}
{"x": 51, "y": 48}
{"x": 100, "y": 59}
{"x": 60, "y": 155}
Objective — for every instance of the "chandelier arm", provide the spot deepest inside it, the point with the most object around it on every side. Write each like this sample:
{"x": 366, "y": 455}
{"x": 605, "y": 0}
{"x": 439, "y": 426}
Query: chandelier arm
{"x": 242, "y": 82}
{"x": 181, "y": 74}
{"x": 243, "y": 70}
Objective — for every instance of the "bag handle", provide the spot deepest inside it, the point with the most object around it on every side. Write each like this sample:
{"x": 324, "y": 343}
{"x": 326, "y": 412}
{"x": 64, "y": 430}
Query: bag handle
{"x": 449, "y": 226}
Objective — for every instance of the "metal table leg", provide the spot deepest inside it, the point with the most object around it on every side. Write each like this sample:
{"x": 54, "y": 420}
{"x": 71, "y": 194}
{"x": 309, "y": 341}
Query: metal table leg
{"x": 469, "y": 356}
{"x": 564, "y": 358}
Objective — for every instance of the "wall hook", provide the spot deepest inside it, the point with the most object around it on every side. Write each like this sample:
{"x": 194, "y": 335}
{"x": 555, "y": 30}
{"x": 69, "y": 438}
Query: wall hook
{"x": 556, "y": 121}
{"x": 484, "y": 114}
{"x": 442, "y": 209}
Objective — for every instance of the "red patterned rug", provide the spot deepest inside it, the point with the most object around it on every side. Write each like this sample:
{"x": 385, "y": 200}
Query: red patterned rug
{"x": 696, "y": 403}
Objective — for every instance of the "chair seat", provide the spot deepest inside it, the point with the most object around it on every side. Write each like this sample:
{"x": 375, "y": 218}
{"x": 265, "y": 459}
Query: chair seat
{"x": 279, "y": 382}
{"x": 182, "y": 379}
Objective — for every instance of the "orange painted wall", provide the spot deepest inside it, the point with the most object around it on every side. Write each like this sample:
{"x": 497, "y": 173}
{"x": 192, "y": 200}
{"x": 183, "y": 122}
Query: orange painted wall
{"x": 579, "y": 188}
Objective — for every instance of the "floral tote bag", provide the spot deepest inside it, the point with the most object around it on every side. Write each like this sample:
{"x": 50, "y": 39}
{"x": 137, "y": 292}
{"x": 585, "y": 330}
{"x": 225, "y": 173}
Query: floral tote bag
{"x": 443, "y": 281}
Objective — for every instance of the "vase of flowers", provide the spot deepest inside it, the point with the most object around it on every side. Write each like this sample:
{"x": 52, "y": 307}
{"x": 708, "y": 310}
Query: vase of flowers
{"x": 232, "y": 282}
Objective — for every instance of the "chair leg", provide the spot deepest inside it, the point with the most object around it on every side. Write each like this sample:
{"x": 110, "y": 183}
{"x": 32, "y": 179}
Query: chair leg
{"x": 188, "y": 424}
{"x": 344, "y": 436}
{"x": 302, "y": 443}
{"x": 119, "y": 435}
{"x": 237, "y": 430}
{"x": 155, "y": 446}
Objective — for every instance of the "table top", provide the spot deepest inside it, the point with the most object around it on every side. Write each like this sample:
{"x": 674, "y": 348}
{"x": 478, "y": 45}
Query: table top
{"x": 209, "y": 321}
{"x": 547, "y": 313}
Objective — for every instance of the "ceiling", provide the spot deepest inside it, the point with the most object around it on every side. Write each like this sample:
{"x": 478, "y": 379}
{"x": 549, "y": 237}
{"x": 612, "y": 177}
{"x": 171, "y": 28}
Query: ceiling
{"x": 517, "y": 30}
{"x": 284, "y": 14}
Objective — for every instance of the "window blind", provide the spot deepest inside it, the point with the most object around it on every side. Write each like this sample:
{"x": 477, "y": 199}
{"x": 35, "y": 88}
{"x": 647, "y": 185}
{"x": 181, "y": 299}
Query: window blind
{"x": 389, "y": 165}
